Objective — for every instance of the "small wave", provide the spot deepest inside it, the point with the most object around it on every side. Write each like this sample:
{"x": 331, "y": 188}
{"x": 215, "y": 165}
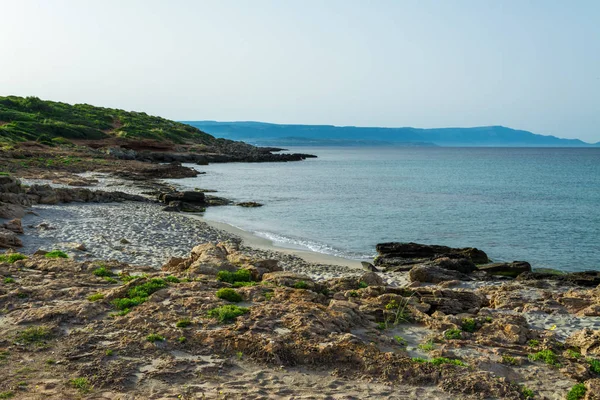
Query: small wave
{"x": 304, "y": 244}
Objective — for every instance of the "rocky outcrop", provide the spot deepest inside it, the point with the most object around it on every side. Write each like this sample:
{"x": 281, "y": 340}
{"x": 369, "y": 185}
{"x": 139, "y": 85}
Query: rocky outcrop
{"x": 249, "y": 204}
{"x": 401, "y": 254}
{"x": 585, "y": 278}
{"x": 45, "y": 194}
{"x": 434, "y": 274}
{"x": 586, "y": 340}
{"x": 512, "y": 269}
{"x": 9, "y": 239}
{"x": 459, "y": 264}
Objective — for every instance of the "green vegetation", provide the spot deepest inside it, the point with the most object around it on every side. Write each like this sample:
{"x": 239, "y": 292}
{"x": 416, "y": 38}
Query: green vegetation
{"x": 8, "y": 280}
{"x": 440, "y": 361}
{"x": 509, "y": 360}
{"x": 229, "y": 295}
{"x": 239, "y": 355}
{"x": 125, "y": 277}
{"x": 400, "y": 340}
{"x": 102, "y": 272}
{"x": 269, "y": 295}
{"x": 577, "y": 392}
{"x": 451, "y": 334}
{"x": 172, "y": 279}
{"x": 53, "y": 123}
{"x": 468, "y": 325}
{"x": 300, "y": 285}
{"x": 528, "y": 393}
{"x": 396, "y": 313}
{"x": 7, "y": 395}
{"x": 244, "y": 284}
{"x": 109, "y": 352}
{"x": 11, "y": 258}
{"x": 241, "y": 275}
{"x": 533, "y": 343}
{"x": 81, "y": 384}
{"x": 56, "y": 253}
{"x": 95, "y": 297}
{"x": 573, "y": 354}
{"x": 183, "y": 323}
{"x": 363, "y": 285}
{"x": 110, "y": 279}
{"x": 154, "y": 337}
{"x": 34, "y": 334}
{"x": 427, "y": 346}
{"x": 546, "y": 356}
{"x": 181, "y": 339}
{"x": 594, "y": 365}
{"x": 138, "y": 295}
{"x": 227, "y": 313}
{"x": 353, "y": 293}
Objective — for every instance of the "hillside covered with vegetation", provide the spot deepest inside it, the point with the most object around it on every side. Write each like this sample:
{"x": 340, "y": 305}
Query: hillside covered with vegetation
{"x": 32, "y": 119}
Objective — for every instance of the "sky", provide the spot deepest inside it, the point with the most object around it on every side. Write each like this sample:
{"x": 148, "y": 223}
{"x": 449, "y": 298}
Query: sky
{"x": 526, "y": 64}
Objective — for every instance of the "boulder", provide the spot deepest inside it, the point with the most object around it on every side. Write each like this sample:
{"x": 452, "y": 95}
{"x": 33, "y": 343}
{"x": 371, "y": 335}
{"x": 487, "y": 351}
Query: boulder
{"x": 586, "y": 340}
{"x": 593, "y": 389}
{"x": 249, "y": 204}
{"x": 371, "y": 279}
{"x": 14, "y": 225}
{"x": 188, "y": 197}
{"x": 290, "y": 279}
{"x": 396, "y": 253}
{"x": 512, "y": 269}
{"x": 367, "y": 266}
{"x": 459, "y": 264}
{"x": 585, "y": 278}
{"x": 9, "y": 239}
{"x": 434, "y": 274}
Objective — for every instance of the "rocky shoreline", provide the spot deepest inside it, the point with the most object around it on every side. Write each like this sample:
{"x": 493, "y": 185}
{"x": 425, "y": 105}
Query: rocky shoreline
{"x": 154, "y": 304}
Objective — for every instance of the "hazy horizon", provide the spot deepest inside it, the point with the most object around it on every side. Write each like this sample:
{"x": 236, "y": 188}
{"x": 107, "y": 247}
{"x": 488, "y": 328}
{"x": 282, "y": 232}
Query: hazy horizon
{"x": 531, "y": 66}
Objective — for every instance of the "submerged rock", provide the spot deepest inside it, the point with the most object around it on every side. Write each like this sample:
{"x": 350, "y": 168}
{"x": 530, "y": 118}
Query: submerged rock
{"x": 249, "y": 204}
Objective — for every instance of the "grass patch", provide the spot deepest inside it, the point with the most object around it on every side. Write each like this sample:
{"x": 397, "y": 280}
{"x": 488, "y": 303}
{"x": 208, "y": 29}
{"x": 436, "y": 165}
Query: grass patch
{"x": 528, "y": 393}
{"x": 469, "y": 325}
{"x": 56, "y": 254}
{"x": 533, "y": 343}
{"x": 452, "y": 334}
{"x": 181, "y": 339}
{"x": 11, "y": 258}
{"x": 241, "y": 275}
{"x": 427, "y": 346}
{"x": 440, "y": 361}
{"x": 227, "y": 313}
{"x": 400, "y": 340}
{"x": 8, "y": 280}
{"x": 363, "y": 285}
{"x": 172, "y": 279}
{"x": 269, "y": 295}
{"x": 229, "y": 295}
{"x": 110, "y": 279}
{"x": 154, "y": 337}
{"x": 138, "y": 295}
{"x": 35, "y": 334}
{"x": 81, "y": 384}
{"x": 546, "y": 356}
{"x": 95, "y": 297}
{"x": 300, "y": 285}
{"x": 509, "y": 360}
{"x": 573, "y": 354}
{"x": 7, "y": 395}
{"x": 577, "y": 392}
{"x": 103, "y": 272}
{"x": 244, "y": 284}
{"x": 594, "y": 365}
{"x": 183, "y": 323}
{"x": 109, "y": 352}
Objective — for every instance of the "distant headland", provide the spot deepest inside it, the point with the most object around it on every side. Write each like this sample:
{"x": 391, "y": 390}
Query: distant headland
{"x": 267, "y": 134}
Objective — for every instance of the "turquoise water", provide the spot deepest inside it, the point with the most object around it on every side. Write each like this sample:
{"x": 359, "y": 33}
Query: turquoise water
{"x": 538, "y": 205}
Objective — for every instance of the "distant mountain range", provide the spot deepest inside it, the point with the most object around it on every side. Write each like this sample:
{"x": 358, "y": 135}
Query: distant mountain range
{"x": 266, "y": 134}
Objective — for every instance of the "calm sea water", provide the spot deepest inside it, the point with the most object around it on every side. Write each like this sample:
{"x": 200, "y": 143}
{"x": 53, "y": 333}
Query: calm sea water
{"x": 537, "y": 205}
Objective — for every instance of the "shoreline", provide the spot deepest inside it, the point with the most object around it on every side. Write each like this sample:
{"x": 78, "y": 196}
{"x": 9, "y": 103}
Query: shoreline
{"x": 251, "y": 240}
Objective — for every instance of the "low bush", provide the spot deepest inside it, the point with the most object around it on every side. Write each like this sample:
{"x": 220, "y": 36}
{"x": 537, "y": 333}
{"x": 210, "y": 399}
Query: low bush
{"x": 227, "y": 313}
{"x": 577, "y": 392}
{"x": 546, "y": 356}
{"x": 229, "y": 295}
{"x": 11, "y": 258}
{"x": 56, "y": 254}
{"x": 241, "y": 275}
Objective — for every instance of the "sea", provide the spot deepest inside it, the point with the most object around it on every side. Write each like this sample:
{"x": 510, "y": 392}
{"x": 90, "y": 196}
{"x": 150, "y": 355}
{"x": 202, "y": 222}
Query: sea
{"x": 540, "y": 205}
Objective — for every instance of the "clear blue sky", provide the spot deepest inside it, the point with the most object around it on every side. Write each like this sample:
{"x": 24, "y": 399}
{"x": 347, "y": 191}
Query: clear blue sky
{"x": 531, "y": 65}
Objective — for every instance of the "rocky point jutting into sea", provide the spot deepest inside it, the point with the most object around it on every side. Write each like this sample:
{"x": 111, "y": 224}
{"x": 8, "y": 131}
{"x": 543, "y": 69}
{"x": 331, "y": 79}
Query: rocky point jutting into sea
{"x": 111, "y": 290}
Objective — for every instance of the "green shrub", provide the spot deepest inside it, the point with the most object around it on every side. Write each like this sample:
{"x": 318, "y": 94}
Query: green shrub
{"x": 363, "y": 285}
{"x": 546, "y": 356}
{"x": 594, "y": 365}
{"x": 95, "y": 297}
{"x": 35, "y": 334}
{"x": 181, "y": 339}
{"x": 528, "y": 393}
{"x": 573, "y": 354}
{"x": 577, "y": 392}
{"x": 109, "y": 352}
{"x": 229, "y": 295}
{"x": 56, "y": 254}
{"x": 244, "y": 284}
{"x": 7, "y": 395}
{"x": 11, "y": 258}
{"x": 444, "y": 360}
{"x": 400, "y": 340}
{"x": 154, "y": 337}
{"x": 227, "y": 313}
{"x": 469, "y": 325}
{"x": 452, "y": 334}
{"x": 81, "y": 384}
{"x": 509, "y": 360}
{"x": 241, "y": 275}
{"x": 533, "y": 343}
{"x": 183, "y": 323}
{"x": 103, "y": 272}
{"x": 419, "y": 360}
{"x": 427, "y": 346}
{"x": 172, "y": 279}
{"x": 8, "y": 280}
{"x": 300, "y": 285}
